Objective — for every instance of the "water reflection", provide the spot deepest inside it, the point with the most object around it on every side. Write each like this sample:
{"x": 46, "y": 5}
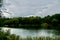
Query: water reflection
{"x": 33, "y": 33}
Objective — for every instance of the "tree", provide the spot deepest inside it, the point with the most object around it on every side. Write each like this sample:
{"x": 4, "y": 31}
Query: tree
{"x": 44, "y": 25}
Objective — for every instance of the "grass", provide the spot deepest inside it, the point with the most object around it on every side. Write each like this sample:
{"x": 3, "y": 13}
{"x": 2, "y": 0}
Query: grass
{"x": 40, "y": 38}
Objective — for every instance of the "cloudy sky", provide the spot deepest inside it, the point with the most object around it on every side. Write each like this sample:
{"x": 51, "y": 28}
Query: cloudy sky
{"x": 19, "y": 8}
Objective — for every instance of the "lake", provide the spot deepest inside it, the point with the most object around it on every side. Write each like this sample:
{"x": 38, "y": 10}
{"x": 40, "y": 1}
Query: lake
{"x": 33, "y": 33}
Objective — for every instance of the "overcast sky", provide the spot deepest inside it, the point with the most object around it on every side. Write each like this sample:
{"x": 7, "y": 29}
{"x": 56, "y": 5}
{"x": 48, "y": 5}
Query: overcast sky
{"x": 19, "y": 8}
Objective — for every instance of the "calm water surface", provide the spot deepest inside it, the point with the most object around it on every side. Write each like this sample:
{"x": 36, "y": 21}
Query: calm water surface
{"x": 33, "y": 33}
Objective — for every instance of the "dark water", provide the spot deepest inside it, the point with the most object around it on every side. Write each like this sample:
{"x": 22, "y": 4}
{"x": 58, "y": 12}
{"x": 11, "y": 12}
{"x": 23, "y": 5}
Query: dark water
{"x": 33, "y": 33}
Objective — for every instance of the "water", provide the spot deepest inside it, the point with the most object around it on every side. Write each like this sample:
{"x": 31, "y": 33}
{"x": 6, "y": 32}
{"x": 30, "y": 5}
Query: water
{"x": 33, "y": 33}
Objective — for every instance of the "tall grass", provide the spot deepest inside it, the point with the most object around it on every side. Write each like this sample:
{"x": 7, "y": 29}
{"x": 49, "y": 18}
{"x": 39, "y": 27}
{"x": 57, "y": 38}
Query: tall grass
{"x": 5, "y": 35}
{"x": 40, "y": 38}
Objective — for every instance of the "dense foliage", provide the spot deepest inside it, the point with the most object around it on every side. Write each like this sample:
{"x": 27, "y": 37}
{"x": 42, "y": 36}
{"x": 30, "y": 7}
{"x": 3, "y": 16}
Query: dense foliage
{"x": 48, "y": 22}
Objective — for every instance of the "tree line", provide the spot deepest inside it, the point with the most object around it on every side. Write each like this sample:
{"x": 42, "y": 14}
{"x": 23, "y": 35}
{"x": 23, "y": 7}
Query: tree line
{"x": 48, "y": 22}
